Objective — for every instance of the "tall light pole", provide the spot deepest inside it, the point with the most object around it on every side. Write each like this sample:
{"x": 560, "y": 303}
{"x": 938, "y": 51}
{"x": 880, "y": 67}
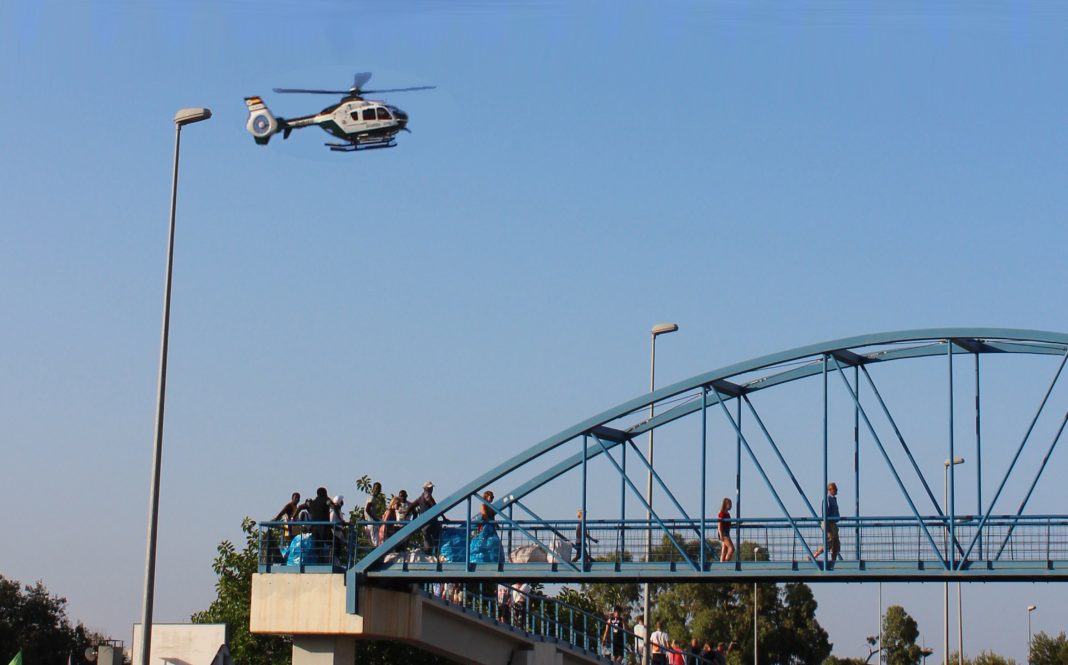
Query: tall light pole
{"x": 945, "y": 585}
{"x": 658, "y": 329}
{"x": 880, "y": 622}
{"x": 1030, "y": 608}
{"x": 181, "y": 118}
{"x": 756, "y": 650}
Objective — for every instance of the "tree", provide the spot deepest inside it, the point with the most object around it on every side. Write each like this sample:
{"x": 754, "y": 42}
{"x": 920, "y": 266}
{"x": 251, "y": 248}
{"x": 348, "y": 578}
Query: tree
{"x": 34, "y": 620}
{"x": 786, "y": 621}
{"x": 983, "y": 658}
{"x": 233, "y": 602}
{"x": 1047, "y": 650}
{"x": 899, "y": 637}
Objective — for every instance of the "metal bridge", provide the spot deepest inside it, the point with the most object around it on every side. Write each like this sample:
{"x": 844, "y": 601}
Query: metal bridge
{"x": 882, "y": 415}
{"x": 996, "y": 539}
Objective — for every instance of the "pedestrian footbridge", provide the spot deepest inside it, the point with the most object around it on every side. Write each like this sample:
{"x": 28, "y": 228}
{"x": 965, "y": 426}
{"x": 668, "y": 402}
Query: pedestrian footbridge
{"x": 885, "y": 416}
{"x": 314, "y": 610}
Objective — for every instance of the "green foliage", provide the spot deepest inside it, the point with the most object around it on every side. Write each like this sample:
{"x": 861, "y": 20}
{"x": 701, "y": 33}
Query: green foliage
{"x": 786, "y": 615}
{"x": 34, "y": 620}
{"x": 983, "y": 658}
{"x": 1047, "y": 650}
{"x": 899, "y": 637}
{"x": 835, "y": 660}
{"x": 601, "y": 599}
{"x": 233, "y": 601}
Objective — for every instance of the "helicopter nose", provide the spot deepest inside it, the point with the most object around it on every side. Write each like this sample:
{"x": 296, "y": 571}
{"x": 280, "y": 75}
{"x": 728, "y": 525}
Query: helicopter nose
{"x": 401, "y": 116}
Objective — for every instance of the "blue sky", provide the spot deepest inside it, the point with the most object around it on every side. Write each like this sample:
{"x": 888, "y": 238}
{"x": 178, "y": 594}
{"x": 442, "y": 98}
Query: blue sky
{"x": 766, "y": 174}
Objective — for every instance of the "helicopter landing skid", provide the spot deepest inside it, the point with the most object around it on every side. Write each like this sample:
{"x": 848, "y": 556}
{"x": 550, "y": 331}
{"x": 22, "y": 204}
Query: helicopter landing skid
{"x": 353, "y": 147}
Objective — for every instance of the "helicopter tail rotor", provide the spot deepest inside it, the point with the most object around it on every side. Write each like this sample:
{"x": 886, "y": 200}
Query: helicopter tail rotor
{"x": 261, "y": 122}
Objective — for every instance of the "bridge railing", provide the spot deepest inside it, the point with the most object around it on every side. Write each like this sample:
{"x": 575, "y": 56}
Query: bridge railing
{"x": 304, "y": 547}
{"x": 538, "y": 615}
{"x": 325, "y": 547}
{"x": 1003, "y": 538}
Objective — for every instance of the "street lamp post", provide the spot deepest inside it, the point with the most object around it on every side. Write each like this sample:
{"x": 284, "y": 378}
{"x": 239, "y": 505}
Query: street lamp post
{"x": 756, "y": 650}
{"x": 1030, "y": 608}
{"x": 181, "y": 118}
{"x": 657, "y": 330}
{"x": 945, "y": 585}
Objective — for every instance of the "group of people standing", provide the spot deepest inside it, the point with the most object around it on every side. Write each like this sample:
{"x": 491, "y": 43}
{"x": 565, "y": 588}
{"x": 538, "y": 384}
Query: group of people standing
{"x": 312, "y": 531}
{"x": 662, "y": 649}
{"x": 390, "y": 516}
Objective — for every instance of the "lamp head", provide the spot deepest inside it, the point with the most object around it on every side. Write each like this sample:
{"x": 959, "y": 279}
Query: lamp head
{"x": 1032, "y": 608}
{"x": 664, "y": 328}
{"x": 190, "y": 115}
{"x": 956, "y": 460}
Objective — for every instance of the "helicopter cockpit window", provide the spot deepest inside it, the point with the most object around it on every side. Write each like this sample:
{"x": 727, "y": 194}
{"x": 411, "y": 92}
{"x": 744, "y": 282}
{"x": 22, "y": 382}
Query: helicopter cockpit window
{"x": 383, "y": 114}
{"x": 355, "y": 115}
{"x": 368, "y": 114}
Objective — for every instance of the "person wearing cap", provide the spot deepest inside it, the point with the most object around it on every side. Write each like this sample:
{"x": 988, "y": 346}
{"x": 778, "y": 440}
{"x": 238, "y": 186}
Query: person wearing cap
{"x": 432, "y": 531}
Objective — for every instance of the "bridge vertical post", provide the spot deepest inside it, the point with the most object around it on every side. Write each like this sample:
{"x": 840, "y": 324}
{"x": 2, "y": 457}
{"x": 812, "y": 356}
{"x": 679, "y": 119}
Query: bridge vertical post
{"x": 704, "y": 469}
{"x": 952, "y": 471}
{"x": 582, "y": 525}
{"x": 823, "y": 490}
{"x": 737, "y": 480}
{"x": 856, "y": 459}
{"x": 978, "y": 455}
{"x": 467, "y": 540}
{"x": 622, "y": 539}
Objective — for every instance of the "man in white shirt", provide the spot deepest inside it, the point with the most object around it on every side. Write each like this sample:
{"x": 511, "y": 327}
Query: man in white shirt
{"x": 659, "y": 642}
{"x": 639, "y": 639}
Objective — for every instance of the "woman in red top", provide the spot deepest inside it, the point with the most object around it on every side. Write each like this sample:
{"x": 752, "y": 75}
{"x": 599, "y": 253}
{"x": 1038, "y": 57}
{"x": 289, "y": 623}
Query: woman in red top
{"x": 726, "y": 548}
{"x": 675, "y": 656}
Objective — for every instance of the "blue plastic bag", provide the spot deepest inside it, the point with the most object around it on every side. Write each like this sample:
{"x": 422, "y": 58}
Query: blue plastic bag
{"x": 452, "y": 544}
{"x": 486, "y": 545}
{"x": 298, "y": 552}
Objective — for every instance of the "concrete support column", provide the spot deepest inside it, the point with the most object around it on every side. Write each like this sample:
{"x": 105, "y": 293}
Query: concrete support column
{"x": 323, "y": 650}
{"x": 540, "y": 654}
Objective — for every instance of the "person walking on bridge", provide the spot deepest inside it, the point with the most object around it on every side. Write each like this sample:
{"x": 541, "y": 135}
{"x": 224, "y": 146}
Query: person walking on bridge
{"x": 830, "y": 508}
{"x": 726, "y": 545}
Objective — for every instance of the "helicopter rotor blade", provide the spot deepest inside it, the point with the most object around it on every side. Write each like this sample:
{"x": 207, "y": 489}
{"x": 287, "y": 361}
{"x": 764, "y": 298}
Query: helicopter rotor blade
{"x": 360, "y": 80}
{"x": 418, "y": 87}
{"x": 313, "y": 92}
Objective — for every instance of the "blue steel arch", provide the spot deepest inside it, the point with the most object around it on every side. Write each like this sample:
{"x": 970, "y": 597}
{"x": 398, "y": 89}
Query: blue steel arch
{"x": 736, "y": 382}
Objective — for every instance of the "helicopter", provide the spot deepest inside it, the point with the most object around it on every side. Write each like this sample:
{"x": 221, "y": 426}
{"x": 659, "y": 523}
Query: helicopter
{"x": 362, "y": 124}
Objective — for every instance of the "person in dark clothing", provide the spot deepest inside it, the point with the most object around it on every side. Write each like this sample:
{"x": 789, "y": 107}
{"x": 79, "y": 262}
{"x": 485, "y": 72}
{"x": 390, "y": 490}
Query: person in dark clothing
{"x": 693, "y": 656}
{"x": 372, "y": 511}
{"x": 319, "y": 511}
{"x": 614, "y": 634}
{"x": 432, "y": 531}
{"x": 580, "y": 544}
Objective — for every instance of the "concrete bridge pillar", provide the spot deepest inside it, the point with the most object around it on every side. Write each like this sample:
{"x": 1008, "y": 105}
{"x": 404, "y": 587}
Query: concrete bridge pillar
{"x": 541, "y": 654}
{"x": 323, "y": 650}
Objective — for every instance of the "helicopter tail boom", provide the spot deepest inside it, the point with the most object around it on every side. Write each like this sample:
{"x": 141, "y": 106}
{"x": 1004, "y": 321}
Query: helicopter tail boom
{"x": 261, "y": 122}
